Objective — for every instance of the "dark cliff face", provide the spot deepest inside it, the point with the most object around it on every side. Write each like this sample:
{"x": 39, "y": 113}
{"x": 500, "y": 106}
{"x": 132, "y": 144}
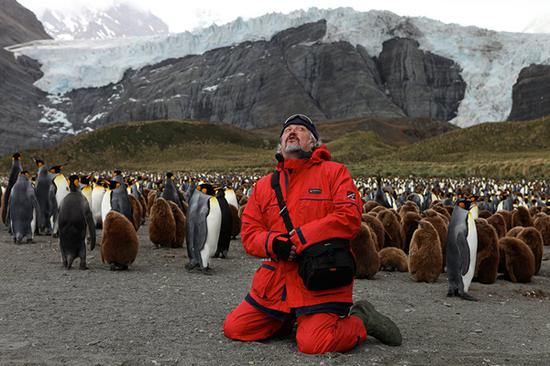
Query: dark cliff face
{"x": 18, "y": 24}
{"x": 531, "y": 94}
{"x": 258, "y": 84}
{"x": 19, "y": 98}
{"x": 424, "y": 85}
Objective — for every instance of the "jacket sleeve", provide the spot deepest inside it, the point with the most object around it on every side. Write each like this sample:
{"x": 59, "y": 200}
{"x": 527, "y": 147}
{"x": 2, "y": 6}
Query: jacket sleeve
{"x": 344, "y": 222}
{"x": 257, "y": 239}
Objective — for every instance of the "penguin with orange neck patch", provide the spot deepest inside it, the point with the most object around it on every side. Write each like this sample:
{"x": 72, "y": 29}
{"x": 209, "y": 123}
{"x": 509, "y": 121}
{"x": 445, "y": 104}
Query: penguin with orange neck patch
{"x": 75, "y": 219}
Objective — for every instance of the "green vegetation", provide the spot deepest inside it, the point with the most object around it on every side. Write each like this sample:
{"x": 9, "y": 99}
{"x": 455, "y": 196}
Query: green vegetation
{"x": 506, "y": 150}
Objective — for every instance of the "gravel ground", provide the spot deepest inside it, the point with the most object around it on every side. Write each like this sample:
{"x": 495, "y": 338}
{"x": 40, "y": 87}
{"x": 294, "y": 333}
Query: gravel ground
{"x": 158, "y": 314}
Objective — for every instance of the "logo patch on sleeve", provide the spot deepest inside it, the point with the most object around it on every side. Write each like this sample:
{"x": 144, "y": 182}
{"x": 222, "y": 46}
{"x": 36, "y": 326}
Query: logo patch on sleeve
{"x": 351, "y": 195}
{"x": 315, "y": 190}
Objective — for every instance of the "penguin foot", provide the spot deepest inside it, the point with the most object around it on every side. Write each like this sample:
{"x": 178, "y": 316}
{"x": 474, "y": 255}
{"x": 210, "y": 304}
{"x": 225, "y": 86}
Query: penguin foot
{"x": 216, "y": 255}
{"x": 467, "y": 296}
{"x": 118, "y": 267}
{"x": 224, "y": 254}
{"x": 190, "y": 266}
{"x": 206, "y": 271}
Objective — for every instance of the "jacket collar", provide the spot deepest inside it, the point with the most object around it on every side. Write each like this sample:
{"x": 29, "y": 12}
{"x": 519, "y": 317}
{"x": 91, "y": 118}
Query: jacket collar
{"x": 320, "y": 154}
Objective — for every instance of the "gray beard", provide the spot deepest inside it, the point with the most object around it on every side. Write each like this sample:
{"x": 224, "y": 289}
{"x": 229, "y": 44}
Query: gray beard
{"x": 292, "y": 149}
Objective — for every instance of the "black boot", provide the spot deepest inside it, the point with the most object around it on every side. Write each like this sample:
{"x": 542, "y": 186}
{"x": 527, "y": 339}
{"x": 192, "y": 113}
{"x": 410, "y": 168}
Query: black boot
{"x": 378, "y": 326}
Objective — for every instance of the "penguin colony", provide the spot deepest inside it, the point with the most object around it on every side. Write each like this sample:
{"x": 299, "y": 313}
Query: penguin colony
{"x": 472, "y": 229}
{"x": 73, "y": 208}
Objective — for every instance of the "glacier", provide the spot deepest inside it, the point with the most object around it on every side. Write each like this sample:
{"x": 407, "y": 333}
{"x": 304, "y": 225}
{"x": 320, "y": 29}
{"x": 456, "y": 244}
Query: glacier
{"x": 490, "y": 60}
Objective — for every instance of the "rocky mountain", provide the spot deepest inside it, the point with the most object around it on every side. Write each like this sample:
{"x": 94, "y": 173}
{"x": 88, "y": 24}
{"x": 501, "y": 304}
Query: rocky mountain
{"x": 19, "y": 98}
{"x": 531, "y": 94}
{"x": 18, "y": 24}
{"x": 118, "y": 20}
{"x": 490, "y": 61}
{"x": 258, "y": 84}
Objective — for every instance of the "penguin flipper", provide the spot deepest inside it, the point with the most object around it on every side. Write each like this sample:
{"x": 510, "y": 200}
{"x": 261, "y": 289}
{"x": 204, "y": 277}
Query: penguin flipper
{"x": 89, "y": 223}
{"x": 464, "y": 252}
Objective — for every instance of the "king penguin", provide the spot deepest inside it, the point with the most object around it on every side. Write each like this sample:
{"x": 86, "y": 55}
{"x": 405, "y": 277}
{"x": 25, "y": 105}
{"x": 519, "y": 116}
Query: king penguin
{"x": 75, "y": 219}
{"x": 60, "y": 189}
{"x": 21, "y": 208}
{"x": 14, "y": 174}
{"x": 204, "y": 218}
{"x": 97, "y": 196}
{"x": 461, "y": 249}
{"x": 44, "y": 183}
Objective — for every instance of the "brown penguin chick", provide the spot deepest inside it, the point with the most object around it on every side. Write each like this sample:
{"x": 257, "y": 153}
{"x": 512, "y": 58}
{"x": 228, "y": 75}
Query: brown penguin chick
{"x": 236, "y": 222}
{"x": 521, "y": 217}
{"x": 498, "y": 222}
{"x": 542, "y": 223}
{"x": 369, "y": 205}
{"x": 363, "y": 247}
{"x": 425, "y": 260}
{"x": 546, "y": 210}
{"x": 136, "y": 211}
{"x": 408, "y": 206}
{"x": 534, "y": 210}
{"x": 144, "y": 209}
{"x": 441, "y": 226}
{"x": 119, "y": 242}
{"x": 151, "y": 198}
{"x": 484, "y": 214}
{"x": 488, "y": 255}
{"x": 507, "y": 215}
{"x": 443, "y": 211}
{"x": 513, "y": 232}
{"x": 393, "y": 259}
{"x": 392, "y": 229}
{"x": 376, "y": 227}
{"x": 533, "y": 239}
{"x": 377, "y": 209}
{"x": 519, "y": 261}
{"x": 181, "y": 224}
{"x": 162, "y": 225}
{"x": 409, "y": 223}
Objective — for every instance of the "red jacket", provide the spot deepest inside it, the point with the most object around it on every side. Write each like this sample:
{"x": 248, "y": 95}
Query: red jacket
{"x": 323, "y": 203}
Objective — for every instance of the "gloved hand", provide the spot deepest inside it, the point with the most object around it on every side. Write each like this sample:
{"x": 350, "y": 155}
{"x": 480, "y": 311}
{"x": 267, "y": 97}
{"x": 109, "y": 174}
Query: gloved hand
{"x": 283, "y": 248}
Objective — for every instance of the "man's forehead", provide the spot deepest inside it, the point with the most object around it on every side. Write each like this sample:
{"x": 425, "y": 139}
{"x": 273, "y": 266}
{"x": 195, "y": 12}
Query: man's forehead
{"x": 301, "y": 127}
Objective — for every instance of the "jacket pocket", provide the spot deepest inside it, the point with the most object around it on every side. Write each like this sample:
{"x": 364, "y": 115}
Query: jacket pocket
{"x": 262, "y": 282}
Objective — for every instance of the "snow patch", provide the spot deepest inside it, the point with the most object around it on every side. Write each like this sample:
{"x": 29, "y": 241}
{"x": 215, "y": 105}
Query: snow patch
{"x": 57, "y": 119}
{"x": 210, "y": 89}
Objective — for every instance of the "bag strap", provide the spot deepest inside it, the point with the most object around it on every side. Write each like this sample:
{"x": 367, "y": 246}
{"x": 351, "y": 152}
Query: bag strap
{"x": 276, "y": 185}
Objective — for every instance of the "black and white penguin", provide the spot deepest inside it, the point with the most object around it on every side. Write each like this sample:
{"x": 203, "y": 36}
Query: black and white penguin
{"x": 75, "y": 220}
{"x": 59, "y": 190}
{"x": 119, "y": 198}
{"x": 170, "y": 192}
{"x": 21, "y": 209}
{"x": 14, "y": 174}
{"x": 226, "y": 226}
{"x": 44, "y": 181}
{"x": 461, "y": 249}
{"x": 98, "y": 192}
{"x": 204, "y": 218}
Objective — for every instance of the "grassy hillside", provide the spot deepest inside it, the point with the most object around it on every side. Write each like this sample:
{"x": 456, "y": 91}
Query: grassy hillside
{"x": 159, "y": 146}
{"x": 506, "y": 150}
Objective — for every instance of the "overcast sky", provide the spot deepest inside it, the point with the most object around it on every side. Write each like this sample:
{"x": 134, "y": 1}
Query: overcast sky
{"x": 502, "y": 15}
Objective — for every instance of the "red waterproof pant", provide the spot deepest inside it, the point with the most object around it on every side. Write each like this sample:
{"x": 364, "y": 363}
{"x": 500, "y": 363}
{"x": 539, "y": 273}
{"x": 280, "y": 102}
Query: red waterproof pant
{"x": 316, "y": 333}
